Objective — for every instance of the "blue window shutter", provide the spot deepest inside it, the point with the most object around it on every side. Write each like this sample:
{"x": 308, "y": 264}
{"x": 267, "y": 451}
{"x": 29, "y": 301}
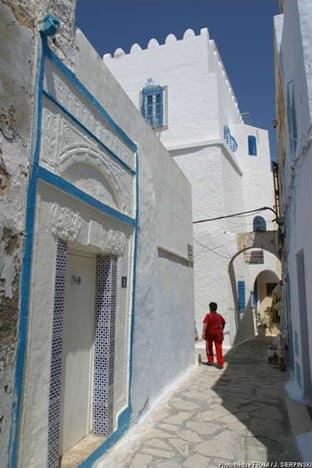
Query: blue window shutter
{"x": 241, "y": 295}
{"x": 229, "y": 139}
{"x": 226, "y": 134}
{"x": 259, "y": 224}
{"x": 291, "y": 116}
{"x": 252, "y": 145}
{"x": 152, "y": 107}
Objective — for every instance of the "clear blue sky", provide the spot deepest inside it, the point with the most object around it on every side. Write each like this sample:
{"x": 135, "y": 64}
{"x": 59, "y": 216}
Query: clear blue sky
{"x": 242, "y": 29}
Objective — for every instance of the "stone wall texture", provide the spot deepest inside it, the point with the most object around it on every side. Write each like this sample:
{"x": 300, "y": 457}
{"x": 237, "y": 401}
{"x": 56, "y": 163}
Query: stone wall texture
{"x": 19, "y": 39}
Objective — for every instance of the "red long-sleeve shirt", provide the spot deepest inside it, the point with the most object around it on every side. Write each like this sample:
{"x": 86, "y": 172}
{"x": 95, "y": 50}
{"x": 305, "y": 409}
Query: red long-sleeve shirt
{"x": 214, "y": 326}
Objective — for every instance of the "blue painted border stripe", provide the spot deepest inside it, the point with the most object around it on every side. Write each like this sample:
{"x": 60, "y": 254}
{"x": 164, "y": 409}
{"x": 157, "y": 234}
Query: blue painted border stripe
{"x": 135, "y": 253}
{"x": 122, "y": 426}
{"x": 36, "y": 173}
{"x": 124, "y": 418}
{"x": 92, "y": 100}
{"x": 23, "y": 322}
{"x": 22, "y": 334}
{"x": 85, "y": 129}
{"x": 70, "y": 189}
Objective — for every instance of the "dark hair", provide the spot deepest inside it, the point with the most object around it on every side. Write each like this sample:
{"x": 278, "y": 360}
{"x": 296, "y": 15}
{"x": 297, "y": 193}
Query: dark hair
{"x": 213, "y": 306}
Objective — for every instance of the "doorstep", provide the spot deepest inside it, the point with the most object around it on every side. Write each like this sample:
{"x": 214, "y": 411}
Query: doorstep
{"x": 77, "y": 454}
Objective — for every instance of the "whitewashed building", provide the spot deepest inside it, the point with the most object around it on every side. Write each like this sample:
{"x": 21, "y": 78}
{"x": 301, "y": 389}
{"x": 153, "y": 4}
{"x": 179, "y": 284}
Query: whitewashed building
{"x": 293, "y": 61}
{"x": 182, "y": 90}
{"x": 96, "y": 229}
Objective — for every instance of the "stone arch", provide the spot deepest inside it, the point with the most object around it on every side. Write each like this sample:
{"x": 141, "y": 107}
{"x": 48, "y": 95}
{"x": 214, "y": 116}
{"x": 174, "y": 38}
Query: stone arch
{"x": 88, "y": 170}
{"x": 266, "y": 241}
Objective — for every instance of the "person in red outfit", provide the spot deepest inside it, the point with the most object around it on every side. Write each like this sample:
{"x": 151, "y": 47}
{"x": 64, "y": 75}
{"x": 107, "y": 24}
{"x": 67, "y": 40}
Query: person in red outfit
{"x": 213, "y": 327}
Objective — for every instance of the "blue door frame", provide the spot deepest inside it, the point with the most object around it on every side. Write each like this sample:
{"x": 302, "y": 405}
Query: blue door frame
{"x": 38, "y": 172}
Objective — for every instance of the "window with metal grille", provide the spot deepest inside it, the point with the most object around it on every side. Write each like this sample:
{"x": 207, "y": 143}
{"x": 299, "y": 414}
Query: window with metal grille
{"x": 241, "y": 288}
{"x": 252, "y": 145}
{"x": 152, "y": 105}
{"x": 259, "y": 224}
{"x": 229, "y": 139}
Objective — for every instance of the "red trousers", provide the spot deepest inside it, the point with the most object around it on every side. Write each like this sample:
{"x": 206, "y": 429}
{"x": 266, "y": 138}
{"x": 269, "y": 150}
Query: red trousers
{"x": 209, "y": 350}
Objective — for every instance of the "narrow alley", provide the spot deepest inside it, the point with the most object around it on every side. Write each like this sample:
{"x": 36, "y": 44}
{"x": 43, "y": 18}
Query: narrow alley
{"x": 155, "y": 199}
{"x": 215, "y": 417}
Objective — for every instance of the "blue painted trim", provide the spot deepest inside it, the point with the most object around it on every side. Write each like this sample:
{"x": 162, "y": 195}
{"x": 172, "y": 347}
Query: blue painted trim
{"x": 241, "y": 295}
{"x": 26, "y": 274}
{"x": 50, "y": 25}
{"x": 162, "y": 117}
{"x": 70, "y": 189}
{"x": 36, "y": 173}
{"x": 135, "y": 253}
{"x": 86, "y": 130}
{"x": 125, "y": 417}
{"x": 91, "y": 99}
{"x": 122, "y": 426}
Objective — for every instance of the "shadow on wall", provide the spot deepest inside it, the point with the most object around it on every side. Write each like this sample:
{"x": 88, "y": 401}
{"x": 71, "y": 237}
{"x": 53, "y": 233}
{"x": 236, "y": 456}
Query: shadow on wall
{"x": 246, "y": 324}
{"x": 253, "y": 392}
{"x": 245, "y": 327}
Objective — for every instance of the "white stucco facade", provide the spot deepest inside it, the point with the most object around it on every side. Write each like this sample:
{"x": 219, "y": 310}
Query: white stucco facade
{"x": 293, "y": 41}
{"x": 103, "y": 192}
{"x": 199, "y": 102}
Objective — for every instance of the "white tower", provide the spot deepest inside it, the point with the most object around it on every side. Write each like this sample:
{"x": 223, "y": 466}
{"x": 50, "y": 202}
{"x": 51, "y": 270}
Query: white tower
{"x": 182, "y": 90}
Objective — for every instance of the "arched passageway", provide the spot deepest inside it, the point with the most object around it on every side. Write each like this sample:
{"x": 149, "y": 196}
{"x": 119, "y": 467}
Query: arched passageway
{"x": 267, "y": 315}
{"x": 255, "y": 264}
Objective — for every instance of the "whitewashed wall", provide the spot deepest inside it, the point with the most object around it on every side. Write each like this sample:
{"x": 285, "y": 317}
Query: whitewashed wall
{"x": 17, "y": 69}
{"x": 200, "y": 102}
{"x": 188, "y": 73}
{"x": 293, "y": 33}
{"x": 165, "y": 220}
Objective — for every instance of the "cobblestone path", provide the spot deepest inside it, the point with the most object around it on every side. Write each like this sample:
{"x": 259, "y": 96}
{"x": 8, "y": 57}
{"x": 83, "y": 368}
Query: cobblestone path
{"x": 236, "y": 414}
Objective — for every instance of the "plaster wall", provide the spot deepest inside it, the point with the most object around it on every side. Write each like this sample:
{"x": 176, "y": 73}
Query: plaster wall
{"x": 257, "y": 180}
{"x": 34, "y": 433}
{"x": 294, "y": 61}
{"x": 16, "y": 102}
{"x": 213, "y": 250}
{"x": 18, "y": 68}
{"x": 223, "y": 182}
{"x": 207, "y": 169}
{"x": 227, "y": 104}
{"x": 172, "y": 64}
{"x": 160, "y": 180}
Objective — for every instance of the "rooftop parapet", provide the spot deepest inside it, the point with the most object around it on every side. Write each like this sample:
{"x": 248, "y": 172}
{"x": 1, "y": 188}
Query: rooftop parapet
{"x": 189, "y": 35}
{"x": 171, "y": 40}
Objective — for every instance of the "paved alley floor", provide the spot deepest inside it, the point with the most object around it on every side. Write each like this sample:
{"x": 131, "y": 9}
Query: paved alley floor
{"x": 234, "y": 415}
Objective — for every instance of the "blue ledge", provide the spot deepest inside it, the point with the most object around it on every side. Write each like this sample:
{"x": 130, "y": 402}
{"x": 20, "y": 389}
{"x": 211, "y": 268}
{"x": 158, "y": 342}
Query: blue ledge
{"x": 91, "y": 99}
{"x": 86, "y": 130}
{"x": 122, "y": 427}
{"x": 68, "y": 187}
